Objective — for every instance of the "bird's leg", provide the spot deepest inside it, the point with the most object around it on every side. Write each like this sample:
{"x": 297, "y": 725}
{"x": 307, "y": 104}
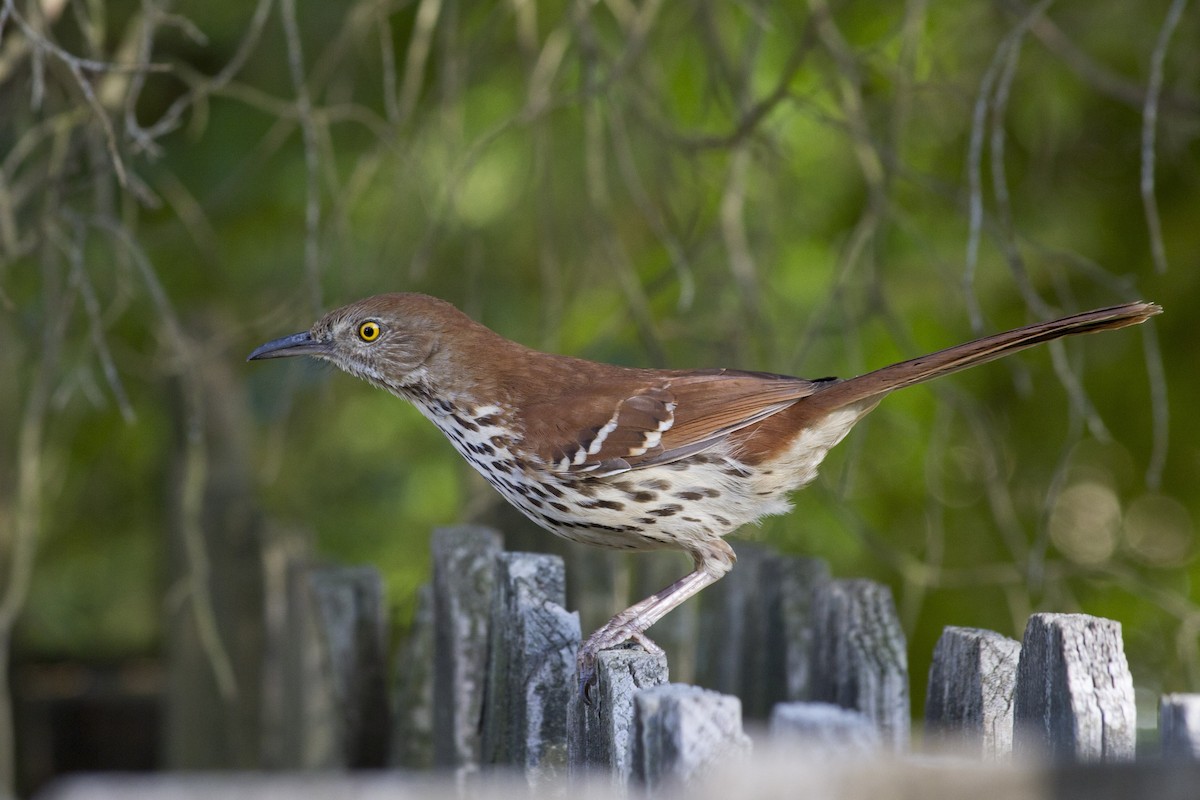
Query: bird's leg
{"x": 712, "y": 562}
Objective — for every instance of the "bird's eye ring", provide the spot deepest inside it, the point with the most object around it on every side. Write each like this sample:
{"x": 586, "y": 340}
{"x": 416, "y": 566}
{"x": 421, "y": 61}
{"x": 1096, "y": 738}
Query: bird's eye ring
{"x": 369, "y": 331}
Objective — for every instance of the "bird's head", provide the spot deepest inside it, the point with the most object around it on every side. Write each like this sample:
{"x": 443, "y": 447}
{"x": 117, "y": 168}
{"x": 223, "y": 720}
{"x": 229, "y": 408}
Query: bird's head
{"x": 388, "y": 339}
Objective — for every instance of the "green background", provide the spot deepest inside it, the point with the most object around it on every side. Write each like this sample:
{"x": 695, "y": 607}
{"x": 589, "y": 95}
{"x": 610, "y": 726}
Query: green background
{"x": 809, "y": 189}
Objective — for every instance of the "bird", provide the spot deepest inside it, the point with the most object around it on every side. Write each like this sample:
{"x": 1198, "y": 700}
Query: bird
{"x": 629, "y": 458}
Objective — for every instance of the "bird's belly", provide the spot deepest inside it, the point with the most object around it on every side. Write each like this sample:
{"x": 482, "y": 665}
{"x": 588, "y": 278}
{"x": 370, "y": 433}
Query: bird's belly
{"x": 678, "y": 505}
{"x": 796, "y": 465}
{"x": 672, "y": 506}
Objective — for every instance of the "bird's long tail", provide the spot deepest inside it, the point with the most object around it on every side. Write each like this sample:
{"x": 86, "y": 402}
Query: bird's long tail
{"x": 874, "y": 385}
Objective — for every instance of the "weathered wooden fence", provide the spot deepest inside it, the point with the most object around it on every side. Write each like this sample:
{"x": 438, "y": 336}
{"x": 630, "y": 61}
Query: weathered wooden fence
{"x": 825, "y": 659}
{"x": 485, "y": 688}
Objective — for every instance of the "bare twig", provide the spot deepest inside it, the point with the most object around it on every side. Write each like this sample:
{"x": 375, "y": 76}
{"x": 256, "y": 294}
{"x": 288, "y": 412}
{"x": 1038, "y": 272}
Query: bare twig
{"x": 91, "y": 306}
{"x": 998, "y": 112}
{"x": 1159, "y": 407}
{"x": 990, "y": 98}
{"x": 1102, "y": 78}
{"x": 1150, "y": 132}
{"x": 387, "y": 66}
{"x": 651, "y": 213}
{"x": 78, "y": 67}
{"x": 41, "y": 43}
{"x": 599, "y": 197}
{"x": 733, "y": 232}
{"x": 417, "y": 57}
{"x": 751, "y": 118}
{"x": 312, "y": 165}
{"x": 200, "y": 89}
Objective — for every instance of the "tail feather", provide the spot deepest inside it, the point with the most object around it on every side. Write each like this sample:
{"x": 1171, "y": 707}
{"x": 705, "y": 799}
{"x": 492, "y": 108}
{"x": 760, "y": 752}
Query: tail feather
{"x": 873, "y": 385}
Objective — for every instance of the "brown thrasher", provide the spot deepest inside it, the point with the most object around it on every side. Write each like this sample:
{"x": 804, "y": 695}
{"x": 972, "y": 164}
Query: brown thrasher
{"x": 632, "y": 459}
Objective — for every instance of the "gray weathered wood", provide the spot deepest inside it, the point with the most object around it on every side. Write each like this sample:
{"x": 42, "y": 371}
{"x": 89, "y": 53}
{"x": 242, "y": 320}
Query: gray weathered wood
{"x": 758, "y": 629}
{"x": 825, "y": 729}
{"x": 682, "y": 732}
{"x": 1179, "y": 726}
{"x": 412, "y": 729}
{"x": 464, "y": 566}
{"x": 285, "y": 558}
{"x": 335, "y": 687}
{"x": 858, "y": 655}
{"x": 353, "y": 613}
{"x": 795, "y": 581}
{"x": 732, "y": 620}
{"x": 1074, "y": 694}
{"x": 969, "y": 703}
{"x": 531, "y": 668}
{"x": 310, "y": 737}
{"x": 600, "y": 735}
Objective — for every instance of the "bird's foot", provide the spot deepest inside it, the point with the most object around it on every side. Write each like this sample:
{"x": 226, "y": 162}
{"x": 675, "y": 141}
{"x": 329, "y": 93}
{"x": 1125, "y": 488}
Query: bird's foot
{"x": 612, "y": 635}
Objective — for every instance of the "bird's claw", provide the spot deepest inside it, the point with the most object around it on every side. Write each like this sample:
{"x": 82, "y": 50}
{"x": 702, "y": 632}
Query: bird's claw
{"x": 588, "y": 683}
{"x": 590, "y": 651}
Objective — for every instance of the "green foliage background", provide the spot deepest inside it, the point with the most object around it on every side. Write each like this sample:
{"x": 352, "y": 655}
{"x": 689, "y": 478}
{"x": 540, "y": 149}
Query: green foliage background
{"x": 804, "y": 188}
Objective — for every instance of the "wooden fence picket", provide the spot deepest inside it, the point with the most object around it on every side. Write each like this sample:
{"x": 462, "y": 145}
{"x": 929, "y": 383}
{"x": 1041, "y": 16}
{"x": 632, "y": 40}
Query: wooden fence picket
{"x": 464, "y": 566}
{"x": 531, "y": 667}
{"x": 859, "y": 658}
{"x": 1074, "y": 694}
{"x": 1179, "y": 726}
{"x": 969, "y": 702}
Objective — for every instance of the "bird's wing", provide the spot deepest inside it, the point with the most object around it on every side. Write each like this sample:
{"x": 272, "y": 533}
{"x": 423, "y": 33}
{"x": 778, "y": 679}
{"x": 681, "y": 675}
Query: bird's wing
{"x": 610, "y": 429}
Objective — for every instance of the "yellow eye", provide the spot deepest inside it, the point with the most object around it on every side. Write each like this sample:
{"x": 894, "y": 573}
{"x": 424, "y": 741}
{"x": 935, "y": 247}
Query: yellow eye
{"x": 368, "y": 331}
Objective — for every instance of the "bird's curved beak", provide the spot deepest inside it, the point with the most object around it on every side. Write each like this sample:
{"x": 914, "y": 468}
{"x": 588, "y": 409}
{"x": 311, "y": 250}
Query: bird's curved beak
{"x": 298, "y": 344}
